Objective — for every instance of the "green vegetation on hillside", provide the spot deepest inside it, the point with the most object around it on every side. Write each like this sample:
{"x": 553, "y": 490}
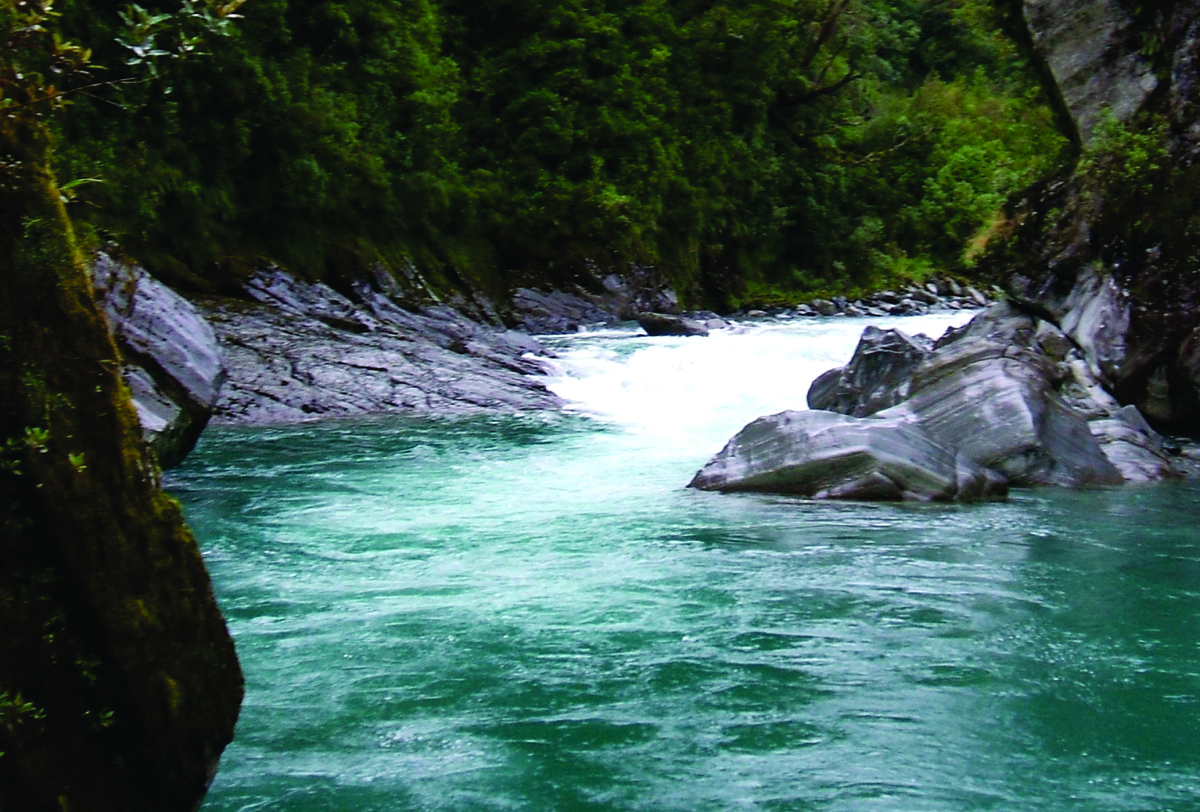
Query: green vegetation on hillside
{"x": 765, "y": 145}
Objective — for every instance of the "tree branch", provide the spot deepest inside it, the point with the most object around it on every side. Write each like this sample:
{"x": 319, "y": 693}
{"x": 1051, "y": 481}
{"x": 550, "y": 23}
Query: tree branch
{"x": 809, "y": 142}
{"x": 822, "y": 90}
{"x": 835, "y": 10}
{"x": 59, "y": 95}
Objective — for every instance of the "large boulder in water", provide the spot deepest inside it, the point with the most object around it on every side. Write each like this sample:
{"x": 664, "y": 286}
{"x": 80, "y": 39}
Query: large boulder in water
{"x": 1008, "y": 394}
{"x": 824, "y": 455}
{"x": 1017, "y": 395}
{"x": 997, "y": 405}
{"x": 170, "y": 358}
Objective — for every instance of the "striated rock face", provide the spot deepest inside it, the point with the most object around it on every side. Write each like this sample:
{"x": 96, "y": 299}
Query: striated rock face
{"x": 1091, "y": 49}
{"x": 543, "y": 313}
{"x": 172, "y": 363}
{"x": 1109, "y": 253}
{"x": 823, "y": 455}
{"x": 998, "y": 406}
{"x": 876, "y": 378}
{"x": 303, "y": 350}
{"x": 1015, "y": 394}
{"x": 614, "y": 298}
{"x": 1005, "y": 400}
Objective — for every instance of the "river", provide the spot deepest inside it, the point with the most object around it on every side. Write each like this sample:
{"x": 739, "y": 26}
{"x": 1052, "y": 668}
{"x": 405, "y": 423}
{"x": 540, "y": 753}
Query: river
{"x": 532, "y": 613}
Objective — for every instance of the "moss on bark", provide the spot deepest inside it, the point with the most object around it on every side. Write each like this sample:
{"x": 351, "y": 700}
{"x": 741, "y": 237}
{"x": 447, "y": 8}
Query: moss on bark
{"x": 119, "y": 686}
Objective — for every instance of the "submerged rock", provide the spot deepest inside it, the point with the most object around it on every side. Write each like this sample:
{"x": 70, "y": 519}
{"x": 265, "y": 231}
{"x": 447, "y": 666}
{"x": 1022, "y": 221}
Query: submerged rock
{"x": 170, "y": 357}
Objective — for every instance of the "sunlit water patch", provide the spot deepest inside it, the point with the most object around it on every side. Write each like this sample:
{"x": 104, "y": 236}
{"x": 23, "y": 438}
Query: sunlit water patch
{"x": 533, "y": 613}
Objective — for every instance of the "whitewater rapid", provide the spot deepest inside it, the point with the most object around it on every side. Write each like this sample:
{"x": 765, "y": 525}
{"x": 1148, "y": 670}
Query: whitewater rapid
{"x": 682, "y": 392}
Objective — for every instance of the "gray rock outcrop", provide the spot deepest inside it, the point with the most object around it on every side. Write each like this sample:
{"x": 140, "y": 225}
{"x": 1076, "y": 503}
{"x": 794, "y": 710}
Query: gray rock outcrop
{"x": 1107, "y": 252}
{"x": 1090, "y": 48}
{"x": 876, "y": 378}
{"x": 662, "y": 324}
{"x": 302, "y": 350}
{"x": 171, "y": 360}
{"x": 824, "y": 455}
{"x": 604, "y": 300}
{"x": 1005, "y": 400}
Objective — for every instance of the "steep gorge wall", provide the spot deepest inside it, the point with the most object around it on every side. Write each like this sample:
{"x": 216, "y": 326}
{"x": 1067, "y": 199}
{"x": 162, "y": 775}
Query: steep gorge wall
{"x": 1111, "y": 250}
{"x": 1091, "y": 50}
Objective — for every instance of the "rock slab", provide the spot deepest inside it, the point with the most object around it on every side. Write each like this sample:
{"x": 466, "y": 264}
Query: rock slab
{"x": 301, "y": 350}
{"x": 824, "y": 455}
{"x": 171, "y": 359}
{"x": 1089, "y": 47}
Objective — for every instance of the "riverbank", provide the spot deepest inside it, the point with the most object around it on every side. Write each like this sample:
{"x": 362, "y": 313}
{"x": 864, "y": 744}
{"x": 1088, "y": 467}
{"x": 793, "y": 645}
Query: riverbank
{"x": 288, "y": 350}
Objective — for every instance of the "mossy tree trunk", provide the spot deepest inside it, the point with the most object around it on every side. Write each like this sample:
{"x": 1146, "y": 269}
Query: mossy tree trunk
{"x": 119, "y": 685}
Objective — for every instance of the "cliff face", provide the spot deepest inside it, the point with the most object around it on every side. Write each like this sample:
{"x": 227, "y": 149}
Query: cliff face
{"x": 1111, "y": 251}
{"x": 1091, "y": 49}
{"x": 119, "y": 686}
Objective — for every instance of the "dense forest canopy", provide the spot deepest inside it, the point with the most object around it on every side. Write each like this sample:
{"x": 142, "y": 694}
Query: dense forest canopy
{"x": 746, "y": 149}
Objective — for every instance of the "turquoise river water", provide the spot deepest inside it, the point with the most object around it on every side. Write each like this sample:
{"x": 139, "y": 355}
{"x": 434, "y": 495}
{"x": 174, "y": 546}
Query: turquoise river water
{"x": 532, "y": 613}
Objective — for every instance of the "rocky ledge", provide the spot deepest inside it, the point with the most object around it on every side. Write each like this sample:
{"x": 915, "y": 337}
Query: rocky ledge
{"x": 292, "y": 350}
{"x": 1007, "y": 400}
{"x": 301, "y": 350}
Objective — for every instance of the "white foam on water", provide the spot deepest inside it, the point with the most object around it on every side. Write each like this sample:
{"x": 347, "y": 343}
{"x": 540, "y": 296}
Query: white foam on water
{"x": 685, "y": 391}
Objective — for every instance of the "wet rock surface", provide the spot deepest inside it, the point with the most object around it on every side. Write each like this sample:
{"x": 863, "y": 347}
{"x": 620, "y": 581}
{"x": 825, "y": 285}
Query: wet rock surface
{"x": 824, "y": 455}
{"x": 1014, "y": 393}
{"x": 295, "y": 350}
{"x": 1006, "y": 400}
{"x": 661, "y": 324}
{"x": 611, "y": 298}
{"x": 937, "y": 295}
{"x": 302, "y": 350}
{"x": 171, "y": 359}
{"x": 876, "y": 378}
